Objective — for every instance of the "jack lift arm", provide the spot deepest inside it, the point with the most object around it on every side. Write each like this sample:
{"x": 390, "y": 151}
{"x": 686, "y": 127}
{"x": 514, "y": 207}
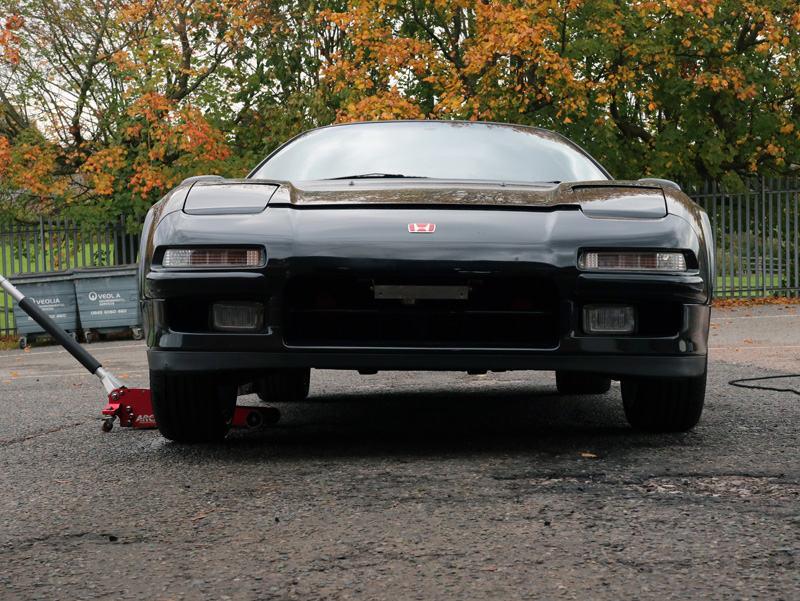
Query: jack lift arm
{"x": 132, "y": 406}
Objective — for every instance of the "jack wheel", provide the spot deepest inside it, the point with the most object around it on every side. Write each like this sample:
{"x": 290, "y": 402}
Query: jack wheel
{"x": 107, "y": 424}
{"x": 23, "y": 342}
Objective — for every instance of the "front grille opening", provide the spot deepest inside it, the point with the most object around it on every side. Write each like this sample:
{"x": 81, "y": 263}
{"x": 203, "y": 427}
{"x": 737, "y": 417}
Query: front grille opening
{"x": 497, "y": 313}
{"x": 660, "y": 319}
{"x": 189, "y": 315}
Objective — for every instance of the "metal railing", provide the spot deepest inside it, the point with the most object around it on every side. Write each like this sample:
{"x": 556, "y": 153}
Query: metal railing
{"x": 57, "y": 244}
{"x": 756, "y": 233}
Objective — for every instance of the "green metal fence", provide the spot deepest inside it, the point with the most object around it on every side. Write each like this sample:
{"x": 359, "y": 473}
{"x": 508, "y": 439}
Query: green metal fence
{"x": 756, "y": 233}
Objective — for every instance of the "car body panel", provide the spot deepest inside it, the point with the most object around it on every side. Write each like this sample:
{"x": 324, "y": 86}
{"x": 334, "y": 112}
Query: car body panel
{"x": 513, "y": 245}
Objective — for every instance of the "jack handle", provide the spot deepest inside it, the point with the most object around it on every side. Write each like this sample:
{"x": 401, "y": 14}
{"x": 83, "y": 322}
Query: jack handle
{"x": 83, "y": 356}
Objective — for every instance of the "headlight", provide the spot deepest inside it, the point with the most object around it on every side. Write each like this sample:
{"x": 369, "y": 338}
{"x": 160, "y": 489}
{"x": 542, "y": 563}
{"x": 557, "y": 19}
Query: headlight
{"x": 604, "y": 201}
{"x": 226, "y": 198}
{"x": 632, "y": 261}
{"x": 212, "y": 257}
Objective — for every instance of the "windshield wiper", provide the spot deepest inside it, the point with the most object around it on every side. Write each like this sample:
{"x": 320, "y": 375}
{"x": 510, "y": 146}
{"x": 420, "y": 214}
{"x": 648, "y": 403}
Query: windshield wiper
{"x": 376, "y": 176}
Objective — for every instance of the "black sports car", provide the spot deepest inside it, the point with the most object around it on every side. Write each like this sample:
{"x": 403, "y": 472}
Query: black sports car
{"x": 425, "y": 245}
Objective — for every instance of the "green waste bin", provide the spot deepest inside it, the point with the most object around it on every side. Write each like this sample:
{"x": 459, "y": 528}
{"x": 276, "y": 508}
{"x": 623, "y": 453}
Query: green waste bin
{"x": 54, "y": 293}
{"x": 108, "y": 300}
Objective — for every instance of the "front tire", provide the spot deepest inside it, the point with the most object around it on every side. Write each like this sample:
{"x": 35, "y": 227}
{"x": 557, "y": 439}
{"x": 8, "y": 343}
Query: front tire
{"x": 191, "y": 408}
{"x": 664, "y": 404}
{"x": 578, "y": 382}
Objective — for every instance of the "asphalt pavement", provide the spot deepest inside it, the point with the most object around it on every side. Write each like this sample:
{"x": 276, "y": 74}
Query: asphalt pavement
{"x": 409, "y": 486}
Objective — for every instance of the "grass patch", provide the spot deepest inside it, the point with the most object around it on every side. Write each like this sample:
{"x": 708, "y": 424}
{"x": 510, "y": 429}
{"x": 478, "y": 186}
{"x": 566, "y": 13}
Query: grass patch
{"x": 747, "y": 285}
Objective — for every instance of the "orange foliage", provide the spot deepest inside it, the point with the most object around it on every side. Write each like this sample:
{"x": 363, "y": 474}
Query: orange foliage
{"x": 9, "y": 41}
{"x": 198, "y": 139}
{"x": 131, "y": 118}
{"x": 147, "y": 177}
{"x": 162, "y": 129}
{"x": 5, "y": 155}
{"x": 34, "y": 165}
{"x": 649, "y": 86}
{"x": 728, "y": 303}
{"x": 389, "y": 104}
{"x": 101, "y": 167}
{"x": 476, "y": 74}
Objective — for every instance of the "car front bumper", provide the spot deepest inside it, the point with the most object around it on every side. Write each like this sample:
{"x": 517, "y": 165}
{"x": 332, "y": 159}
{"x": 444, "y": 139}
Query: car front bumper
{"x": 680, "y": 351}
{"x": 524, "y": 311}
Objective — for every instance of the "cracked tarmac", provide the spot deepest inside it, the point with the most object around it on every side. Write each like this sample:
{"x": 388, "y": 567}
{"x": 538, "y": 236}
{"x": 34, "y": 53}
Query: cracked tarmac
{"x": 408, "y": 486}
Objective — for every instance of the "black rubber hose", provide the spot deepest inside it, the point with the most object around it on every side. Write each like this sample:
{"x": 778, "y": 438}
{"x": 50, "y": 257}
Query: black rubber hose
{"x": 740, "y": 383}
{"x": 61, "y": 336}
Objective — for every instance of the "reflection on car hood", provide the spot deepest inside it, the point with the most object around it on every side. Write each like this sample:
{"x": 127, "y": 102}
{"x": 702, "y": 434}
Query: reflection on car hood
{"x": 612, "y": 199}
{"x": 624, "y": 195}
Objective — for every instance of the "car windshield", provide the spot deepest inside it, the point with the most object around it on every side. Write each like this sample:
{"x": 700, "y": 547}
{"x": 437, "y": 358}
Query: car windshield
{"x": 430, "y": 149}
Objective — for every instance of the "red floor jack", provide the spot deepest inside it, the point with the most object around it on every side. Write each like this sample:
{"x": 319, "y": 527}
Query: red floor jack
{"x": 131, "y": 405}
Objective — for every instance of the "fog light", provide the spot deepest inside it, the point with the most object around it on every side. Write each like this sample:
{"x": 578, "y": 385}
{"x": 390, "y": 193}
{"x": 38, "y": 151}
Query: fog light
{"x": 609, "y": 319}
{"x": 237, "y": 316}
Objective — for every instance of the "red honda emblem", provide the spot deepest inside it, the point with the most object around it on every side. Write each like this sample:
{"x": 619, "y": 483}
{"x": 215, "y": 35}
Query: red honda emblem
{"x": 421, "y": 228}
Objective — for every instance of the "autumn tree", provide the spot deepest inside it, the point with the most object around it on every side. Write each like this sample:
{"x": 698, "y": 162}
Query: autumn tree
{"x": 109, "y": 102}
{"x": 116, "y": 102}
{"x": 276, "y": 82}
{"x": 688, "y": 89}
{"x": 106, "y": 104}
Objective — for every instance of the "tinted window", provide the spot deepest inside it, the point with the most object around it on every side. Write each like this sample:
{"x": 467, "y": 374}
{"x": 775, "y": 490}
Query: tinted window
{"x": 436, "y": 149}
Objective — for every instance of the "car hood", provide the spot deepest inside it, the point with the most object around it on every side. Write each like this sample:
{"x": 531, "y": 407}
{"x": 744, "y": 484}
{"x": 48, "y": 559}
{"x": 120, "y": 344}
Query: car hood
{"x": 601, "y": 199}
{"x": 443, "y": 192}
{"x": 611, "y": 199}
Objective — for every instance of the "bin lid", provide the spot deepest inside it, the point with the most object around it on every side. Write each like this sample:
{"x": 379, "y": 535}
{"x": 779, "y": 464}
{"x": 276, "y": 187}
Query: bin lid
{"x": 39, "y": 277}
{"x": 102, "y": 271}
